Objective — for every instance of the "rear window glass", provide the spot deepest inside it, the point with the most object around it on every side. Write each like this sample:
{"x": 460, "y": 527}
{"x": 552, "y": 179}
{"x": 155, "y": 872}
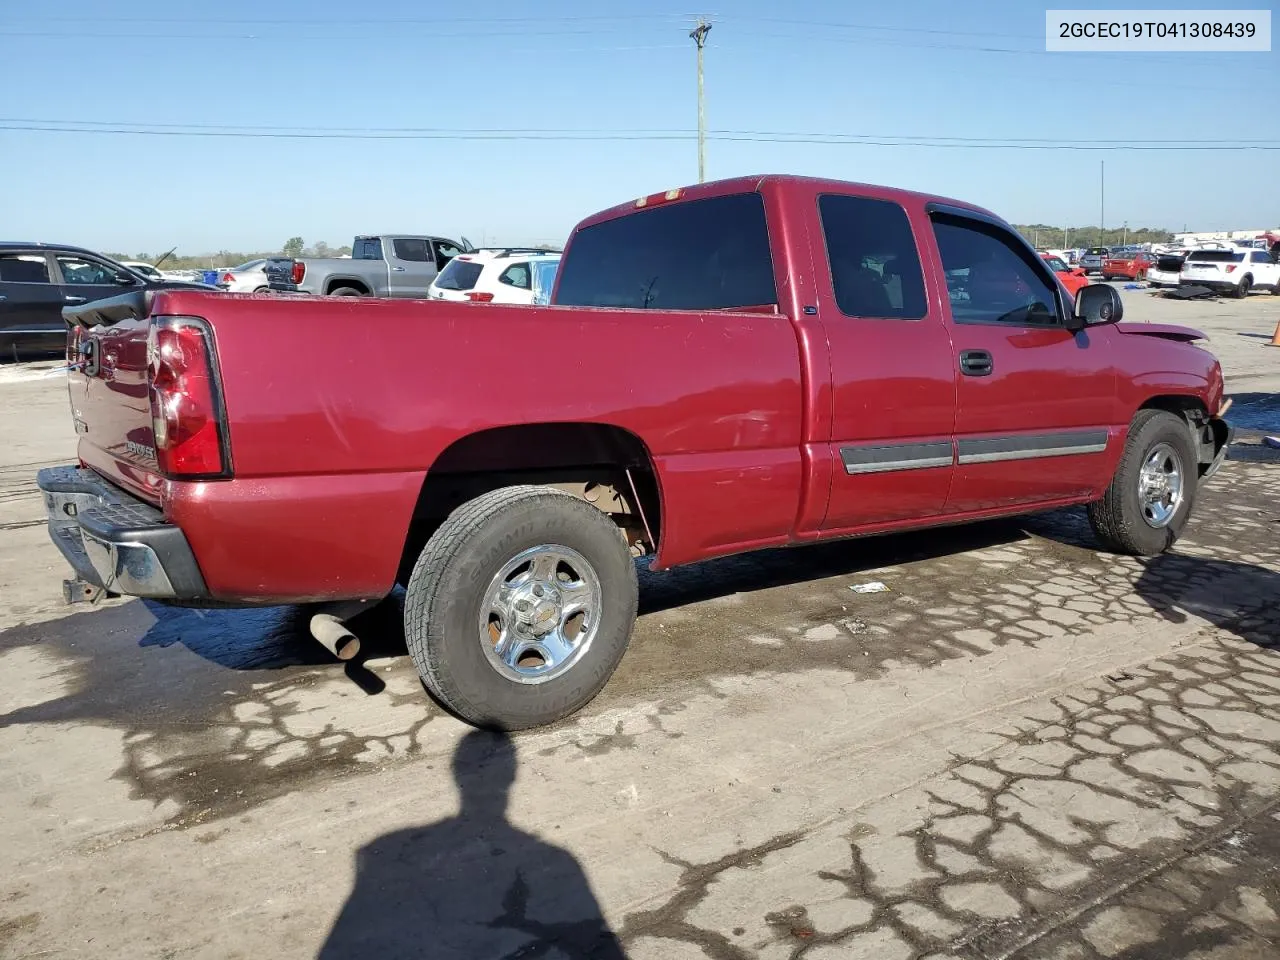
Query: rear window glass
{"x": 23, "y": 268}
{"x": 459, "y": 275}
{"x": 413, "y": 250}
{"x": 367, "y": 248}
{"x": 1097, "y": 252}
{"x": 875, "y": 270}
{"x": 702, "y": 255}
{"x": 1217, "y": 256}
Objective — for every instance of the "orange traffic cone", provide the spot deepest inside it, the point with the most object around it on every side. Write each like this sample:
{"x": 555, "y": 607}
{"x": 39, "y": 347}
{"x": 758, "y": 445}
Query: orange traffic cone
{"x": 1275, "y": 337}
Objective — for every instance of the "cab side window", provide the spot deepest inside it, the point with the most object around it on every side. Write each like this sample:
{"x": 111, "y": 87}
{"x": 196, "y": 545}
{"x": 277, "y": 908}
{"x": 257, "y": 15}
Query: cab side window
{"x": 991, "y": 277}
{"x": 412, "y": 250}
{"x": 875, "y": 270}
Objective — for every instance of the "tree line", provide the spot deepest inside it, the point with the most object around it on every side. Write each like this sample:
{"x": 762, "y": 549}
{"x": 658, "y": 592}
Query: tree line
{"x": 1057, "y": 238}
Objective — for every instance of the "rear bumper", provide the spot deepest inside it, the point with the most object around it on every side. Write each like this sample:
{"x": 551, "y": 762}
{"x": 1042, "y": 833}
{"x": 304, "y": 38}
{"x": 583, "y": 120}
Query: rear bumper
{"x": 116, "y": 541}
{"x": 1210, "y": 284}
{"x": 1162, "y": 278}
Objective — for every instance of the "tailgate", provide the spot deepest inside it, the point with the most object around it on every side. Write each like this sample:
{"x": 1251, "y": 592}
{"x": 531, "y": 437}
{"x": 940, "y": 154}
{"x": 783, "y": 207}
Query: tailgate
{"x": 110, "y": 396}
{"x": 279, "y": 273}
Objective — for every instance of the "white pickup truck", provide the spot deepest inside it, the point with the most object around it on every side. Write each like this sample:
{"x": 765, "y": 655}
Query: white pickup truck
{"x": 388, "y": 265}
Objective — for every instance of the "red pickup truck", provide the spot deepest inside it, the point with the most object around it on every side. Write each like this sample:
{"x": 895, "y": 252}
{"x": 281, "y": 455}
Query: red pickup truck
{"x": 751, "y": 363}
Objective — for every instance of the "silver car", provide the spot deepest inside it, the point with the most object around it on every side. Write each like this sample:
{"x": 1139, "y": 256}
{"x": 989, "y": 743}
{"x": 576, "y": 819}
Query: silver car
{"x": 249, "y": 277}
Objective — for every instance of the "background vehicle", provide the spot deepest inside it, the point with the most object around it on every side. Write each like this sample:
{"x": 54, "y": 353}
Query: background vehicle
{"x": 249, "y": 277}
{"x": 506, "y": 275}
{"x": 143, "y": 269}
{"x": 720, "y": 371}
{"x": 1073, "y": 278}
{"x": 1128, "y": 266}
{"x": 1234, "y": 272}
{"x": 1091, "y": 259}
{"x": 37, "y": 280}
{"x": 1165, "y": 272}
{"x": 391, "y": 265}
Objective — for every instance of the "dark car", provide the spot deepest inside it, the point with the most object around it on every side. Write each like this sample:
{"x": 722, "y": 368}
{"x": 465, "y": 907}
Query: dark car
{"x": 1091, "y": 261}
{"x": 38, "y": 279}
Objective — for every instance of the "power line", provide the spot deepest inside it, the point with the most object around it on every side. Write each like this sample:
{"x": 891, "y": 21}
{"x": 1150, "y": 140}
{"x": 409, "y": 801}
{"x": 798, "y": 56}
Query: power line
{"x": 411, "y": 134}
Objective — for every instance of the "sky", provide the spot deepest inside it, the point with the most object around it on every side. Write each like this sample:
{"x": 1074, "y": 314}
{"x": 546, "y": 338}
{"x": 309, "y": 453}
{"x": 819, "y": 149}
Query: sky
{"x": 508, "y": 122}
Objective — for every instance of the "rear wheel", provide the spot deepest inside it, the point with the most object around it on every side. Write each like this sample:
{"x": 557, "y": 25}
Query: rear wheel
{"x": 1149, "y": 500}
{"x": 346, "y": 292}
{"x": 520, "y": 607}
{"x": 1242, "y": 291}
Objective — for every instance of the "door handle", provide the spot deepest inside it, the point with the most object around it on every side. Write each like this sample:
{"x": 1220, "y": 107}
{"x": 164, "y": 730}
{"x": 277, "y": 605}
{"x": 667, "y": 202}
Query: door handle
{"x": 3, "y": 297}
{"x": 975, "y": 363}
{"x": 70, "y": 299}
{"x": 397, "y": 269}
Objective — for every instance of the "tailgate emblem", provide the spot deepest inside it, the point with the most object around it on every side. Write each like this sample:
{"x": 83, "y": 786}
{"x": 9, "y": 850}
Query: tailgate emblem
{"x": 140, "y": 450}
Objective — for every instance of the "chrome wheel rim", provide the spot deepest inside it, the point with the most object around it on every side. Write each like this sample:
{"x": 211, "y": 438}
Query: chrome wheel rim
{"x": 1160, "y": 485}
{"x": 540, "y": 613}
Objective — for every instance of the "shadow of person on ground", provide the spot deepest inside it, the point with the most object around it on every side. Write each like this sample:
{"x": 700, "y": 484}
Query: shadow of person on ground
{"x": 1239, "y": 597}
{"x": 471, "y": 886}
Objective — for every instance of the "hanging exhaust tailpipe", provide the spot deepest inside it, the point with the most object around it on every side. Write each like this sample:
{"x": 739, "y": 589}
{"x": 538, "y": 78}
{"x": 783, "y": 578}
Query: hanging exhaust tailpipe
{"x": 334, "y": 636}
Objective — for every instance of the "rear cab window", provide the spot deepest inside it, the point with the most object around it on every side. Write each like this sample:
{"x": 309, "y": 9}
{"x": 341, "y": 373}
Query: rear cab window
{"x": 875, "y": 269}
{"x": 710, "y": 254}
{"x": 459, "y": 274}
{"x": 366, "y": 248}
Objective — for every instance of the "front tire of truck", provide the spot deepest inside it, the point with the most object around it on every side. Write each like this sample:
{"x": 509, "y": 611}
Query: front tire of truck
{"x": 520, "y": 607}
{"x": 1151, "y": 495}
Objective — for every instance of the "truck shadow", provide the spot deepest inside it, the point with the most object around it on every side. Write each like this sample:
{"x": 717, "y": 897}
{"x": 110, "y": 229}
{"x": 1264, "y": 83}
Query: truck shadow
{"x": 1233, "y": 596}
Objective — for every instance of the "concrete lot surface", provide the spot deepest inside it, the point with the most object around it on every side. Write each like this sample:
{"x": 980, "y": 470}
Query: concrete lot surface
{"x": 1023, "y": 748}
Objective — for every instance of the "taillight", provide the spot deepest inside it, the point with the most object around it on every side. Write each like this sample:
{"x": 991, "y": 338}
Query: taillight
{"x": 1231, "y": 268}
{"x": 187, "y": 416}
{"x": 476, "y": 297}
{"x": 228, "y": 278}
{"x": 297, "y": 272}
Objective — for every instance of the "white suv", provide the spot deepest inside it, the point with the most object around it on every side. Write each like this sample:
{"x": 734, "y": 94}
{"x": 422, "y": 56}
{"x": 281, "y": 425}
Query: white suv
{"x": 501, "y": 275}
{"x": 1231, "y": 271}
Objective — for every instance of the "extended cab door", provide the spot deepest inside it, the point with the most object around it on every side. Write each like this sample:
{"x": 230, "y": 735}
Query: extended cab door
{"x": 413, "y": 266}
{"x": 1036, "y": 403}
{"x": 892, "y": 378}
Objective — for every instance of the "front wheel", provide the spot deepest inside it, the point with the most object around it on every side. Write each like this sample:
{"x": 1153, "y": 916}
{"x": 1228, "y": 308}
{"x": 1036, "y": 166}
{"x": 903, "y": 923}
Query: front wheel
{"x": 520, "y": 607}
{"x": 1151, "y": 495}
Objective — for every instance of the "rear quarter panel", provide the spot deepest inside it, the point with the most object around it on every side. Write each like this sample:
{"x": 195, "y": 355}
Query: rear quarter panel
{"x": 338, "y": 407}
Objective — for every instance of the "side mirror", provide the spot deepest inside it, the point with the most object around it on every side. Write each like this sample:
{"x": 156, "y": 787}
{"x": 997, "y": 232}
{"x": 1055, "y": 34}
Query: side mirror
{"x": 126, "y": 280}
{"x": 1096, "y": 304}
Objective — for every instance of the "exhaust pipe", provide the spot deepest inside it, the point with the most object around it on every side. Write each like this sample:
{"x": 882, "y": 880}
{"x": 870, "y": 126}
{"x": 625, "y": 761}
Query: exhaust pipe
{"x": 334, "y": 636}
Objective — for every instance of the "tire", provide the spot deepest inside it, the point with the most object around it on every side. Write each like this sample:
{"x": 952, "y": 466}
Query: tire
{"x": 261, "y": 289}
{"x": 451, "y": 585}
{"x": 1242, "y": 291}
{"x": 1120, "y": 518}
{"x": 1106, "y": 278}
{"x": 1275, "y": 289}
{"x": 346, "y": 292}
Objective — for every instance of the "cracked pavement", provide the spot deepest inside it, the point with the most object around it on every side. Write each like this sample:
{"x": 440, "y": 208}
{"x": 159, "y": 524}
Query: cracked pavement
{"x": 1022, "y": 748}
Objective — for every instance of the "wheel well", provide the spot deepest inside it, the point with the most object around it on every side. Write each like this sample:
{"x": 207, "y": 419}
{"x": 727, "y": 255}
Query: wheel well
{"x": 1207, "y": 434}
{"x": 607, "y": 466}
{"x": 353, "y": 284}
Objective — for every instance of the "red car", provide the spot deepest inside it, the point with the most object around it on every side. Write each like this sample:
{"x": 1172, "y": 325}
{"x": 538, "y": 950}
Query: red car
{"x": 1130, "y": 267}
{"x": 759, "y": 362}
{"x": 1073, "y": 278}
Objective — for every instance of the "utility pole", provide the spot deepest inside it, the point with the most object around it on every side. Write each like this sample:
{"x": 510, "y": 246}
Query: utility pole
{"x": 1125, "y": 241}
{"x": 1102, "y": 215}
{"x": 1066, "y": 232}
{"x": 699, "y": 35}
